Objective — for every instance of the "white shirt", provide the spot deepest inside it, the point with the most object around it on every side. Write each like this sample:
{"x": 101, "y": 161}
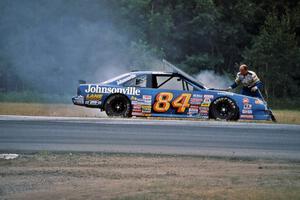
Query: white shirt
{"x": 248, "y": 80}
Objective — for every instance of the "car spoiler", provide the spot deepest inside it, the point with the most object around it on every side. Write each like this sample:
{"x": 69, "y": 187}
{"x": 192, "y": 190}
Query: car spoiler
{"x": 81, "y": 81}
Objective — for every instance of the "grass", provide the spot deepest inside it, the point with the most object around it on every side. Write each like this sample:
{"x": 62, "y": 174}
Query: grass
{"x": 287, "y": 116}
{"x": 44, "y": 109}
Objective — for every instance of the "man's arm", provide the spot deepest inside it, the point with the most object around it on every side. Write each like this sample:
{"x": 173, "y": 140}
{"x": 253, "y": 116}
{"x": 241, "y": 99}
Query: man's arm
{"x": 236, "y": 82}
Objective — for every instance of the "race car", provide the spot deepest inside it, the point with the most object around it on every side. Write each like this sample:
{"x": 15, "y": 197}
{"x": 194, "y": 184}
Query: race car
{"x": 168, "y": 94}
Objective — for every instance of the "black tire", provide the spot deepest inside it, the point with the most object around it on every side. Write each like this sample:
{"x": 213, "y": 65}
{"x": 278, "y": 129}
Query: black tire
{"x": 224, "y": 108}
{"x": 118, "y": 105}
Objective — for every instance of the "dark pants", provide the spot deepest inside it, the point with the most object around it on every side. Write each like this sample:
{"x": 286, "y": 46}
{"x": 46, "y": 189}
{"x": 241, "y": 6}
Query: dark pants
{"x": 247, "y": 91}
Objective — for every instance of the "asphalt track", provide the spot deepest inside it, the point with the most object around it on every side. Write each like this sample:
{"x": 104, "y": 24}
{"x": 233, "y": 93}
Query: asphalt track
{"x": 179, "y": 137}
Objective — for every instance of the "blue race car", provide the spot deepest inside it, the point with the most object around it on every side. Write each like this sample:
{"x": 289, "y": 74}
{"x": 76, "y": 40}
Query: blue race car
{"x": 168, "y": 94}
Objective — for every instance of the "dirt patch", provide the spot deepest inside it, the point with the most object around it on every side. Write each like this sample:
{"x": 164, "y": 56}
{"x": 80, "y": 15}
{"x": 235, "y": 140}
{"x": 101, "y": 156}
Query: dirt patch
{"x": 40, "y": 109}
{"x": 126, "y": 176}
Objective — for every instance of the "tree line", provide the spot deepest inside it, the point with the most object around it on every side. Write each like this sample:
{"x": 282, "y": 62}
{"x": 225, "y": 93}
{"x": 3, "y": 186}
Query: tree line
{"x": 220, "y": 35}
{"x": 211, "y": 35}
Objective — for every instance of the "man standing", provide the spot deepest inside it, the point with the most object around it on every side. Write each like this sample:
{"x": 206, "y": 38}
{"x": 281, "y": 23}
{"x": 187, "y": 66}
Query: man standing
{"x": 252, "y": 86}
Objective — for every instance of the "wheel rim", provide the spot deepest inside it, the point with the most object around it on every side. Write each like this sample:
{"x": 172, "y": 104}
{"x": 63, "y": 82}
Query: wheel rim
{"x": 118, "y": 107}
{"x": 224, "y": 110}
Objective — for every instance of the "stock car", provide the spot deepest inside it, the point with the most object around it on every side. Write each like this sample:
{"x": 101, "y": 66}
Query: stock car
{"x": 168, "y": 94}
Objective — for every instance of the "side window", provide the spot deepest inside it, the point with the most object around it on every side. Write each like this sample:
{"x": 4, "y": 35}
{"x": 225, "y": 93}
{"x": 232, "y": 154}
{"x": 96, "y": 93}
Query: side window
{"x": 168, "y": 82}
{"x": 140, "y": 81}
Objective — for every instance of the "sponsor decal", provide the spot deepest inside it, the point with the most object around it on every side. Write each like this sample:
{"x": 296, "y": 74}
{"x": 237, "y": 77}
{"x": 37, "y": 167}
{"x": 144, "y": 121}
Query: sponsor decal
{"x": 193, "y": 110}
{"x": 149, "y": 97}
{"x": 137, "y": 106}
{"x": 258, "y": 101}
{"x": 137, "y": 113}
{"x": 226, "y": 93}
{"x": 196, "y": 101}
{"x": 126, "y": 79}
{"x": 94, "y": 97}
{"x": 137, "y": 110}
{"x": 203, "y": 116}
{"x": 245, "y": 100}
{"x": 94, "y": 103}
{"x": 134, "y": 102}
{"x": 207, "y": 96}
{"x": 203, "y": 110}
{"x": 197, "y": 95}
{"x": 144, "y": 102}
{"x": 247, "y": 111}
{"x": 246, "y": 117}
{"x": 147, "y": 102}
{"x": 108, "y": 90}
{"x": 206, "y": 102}
{"x": 133, "y": 98}
{"x": 247, "y": 106}
{"x": 146, "y": 109}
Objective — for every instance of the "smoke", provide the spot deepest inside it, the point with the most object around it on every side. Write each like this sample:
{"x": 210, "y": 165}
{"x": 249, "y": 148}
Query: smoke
{"x": 213, "y": 80}
{"x": 53, "y": 44}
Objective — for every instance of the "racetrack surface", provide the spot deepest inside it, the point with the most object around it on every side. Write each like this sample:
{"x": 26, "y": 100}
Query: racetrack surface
{"x": 182, "y": 137}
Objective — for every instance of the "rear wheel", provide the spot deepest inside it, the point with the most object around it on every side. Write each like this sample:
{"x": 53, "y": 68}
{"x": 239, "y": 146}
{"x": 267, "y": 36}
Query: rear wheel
{"x": 117, "y": 105}
{"x": 225, "y": 109}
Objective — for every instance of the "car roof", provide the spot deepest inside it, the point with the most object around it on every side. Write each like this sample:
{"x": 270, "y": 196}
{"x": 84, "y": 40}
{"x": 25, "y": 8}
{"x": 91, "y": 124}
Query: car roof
{"x": 186, "y": 76}
{"x": 152, "y": 72}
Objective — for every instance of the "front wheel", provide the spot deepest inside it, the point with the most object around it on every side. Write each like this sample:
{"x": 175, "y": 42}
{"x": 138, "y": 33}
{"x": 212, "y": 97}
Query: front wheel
{"x": 225, "y": 109}
{"x": 118, "y": 105}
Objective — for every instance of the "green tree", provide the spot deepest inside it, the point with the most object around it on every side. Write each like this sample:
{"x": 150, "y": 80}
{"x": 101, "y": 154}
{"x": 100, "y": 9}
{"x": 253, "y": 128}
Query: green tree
{"x": 275, "y": 56}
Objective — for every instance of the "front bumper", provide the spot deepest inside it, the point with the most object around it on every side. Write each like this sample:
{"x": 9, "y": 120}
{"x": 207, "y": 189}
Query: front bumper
{"x": 78, "y": 100}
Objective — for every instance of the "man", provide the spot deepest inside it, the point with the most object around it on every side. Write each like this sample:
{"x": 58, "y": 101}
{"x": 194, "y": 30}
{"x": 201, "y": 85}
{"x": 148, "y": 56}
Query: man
{"x": 252, "y": 86}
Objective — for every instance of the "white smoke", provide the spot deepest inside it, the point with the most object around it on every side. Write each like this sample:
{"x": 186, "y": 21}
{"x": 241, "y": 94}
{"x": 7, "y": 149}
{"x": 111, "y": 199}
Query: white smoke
{"x": 213, "y": 80}
{"x": 52, "y": 44}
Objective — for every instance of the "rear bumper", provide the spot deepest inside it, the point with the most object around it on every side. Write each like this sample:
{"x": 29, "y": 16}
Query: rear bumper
{"x": 78, "y": 100}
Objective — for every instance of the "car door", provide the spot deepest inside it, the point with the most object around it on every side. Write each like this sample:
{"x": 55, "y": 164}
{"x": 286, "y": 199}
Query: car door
{"x": 175, "y": 96}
